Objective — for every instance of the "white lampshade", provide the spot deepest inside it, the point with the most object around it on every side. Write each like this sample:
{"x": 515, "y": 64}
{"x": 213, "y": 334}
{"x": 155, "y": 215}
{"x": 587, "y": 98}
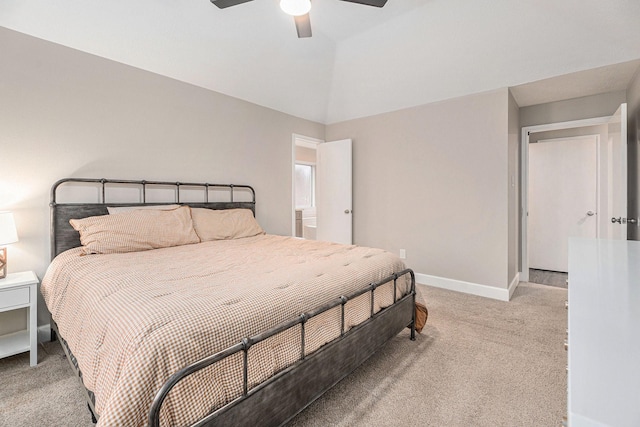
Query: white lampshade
{"x": 295, "y": 7}
{"x": 8, "y": 232}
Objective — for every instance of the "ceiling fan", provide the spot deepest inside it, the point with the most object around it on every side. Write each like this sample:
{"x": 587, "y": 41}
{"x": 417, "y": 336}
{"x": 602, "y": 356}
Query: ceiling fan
{"x": 299, "y": 9}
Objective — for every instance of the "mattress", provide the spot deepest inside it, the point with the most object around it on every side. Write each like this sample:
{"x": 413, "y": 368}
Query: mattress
{"x": 133, "y": 319}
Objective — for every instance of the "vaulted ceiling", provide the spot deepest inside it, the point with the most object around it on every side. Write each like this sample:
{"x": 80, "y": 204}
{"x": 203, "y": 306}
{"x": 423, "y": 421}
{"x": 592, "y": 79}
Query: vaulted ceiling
{"x": 361, "y": 60}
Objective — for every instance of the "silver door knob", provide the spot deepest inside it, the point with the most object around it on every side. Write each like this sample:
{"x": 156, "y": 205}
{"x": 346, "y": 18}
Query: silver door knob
{"x": 591, "y": 213}
{"x": 632, "y": 221}
{"x": 347, "y": 211}
{"x": 618, "y": 220}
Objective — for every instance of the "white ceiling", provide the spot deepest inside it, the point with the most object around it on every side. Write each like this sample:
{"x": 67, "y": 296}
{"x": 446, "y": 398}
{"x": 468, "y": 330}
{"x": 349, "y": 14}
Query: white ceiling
{"x": 361, "y": 60}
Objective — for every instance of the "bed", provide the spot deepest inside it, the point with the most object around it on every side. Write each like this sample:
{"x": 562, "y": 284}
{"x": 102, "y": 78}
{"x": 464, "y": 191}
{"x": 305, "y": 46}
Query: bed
{"x": 226, "y": 331}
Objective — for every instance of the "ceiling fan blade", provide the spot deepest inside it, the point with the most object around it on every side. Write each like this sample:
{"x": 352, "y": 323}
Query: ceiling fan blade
{"x": 303, "y": 26}
{"x": 376, "y": 3}
{"x": 226, "y": 3}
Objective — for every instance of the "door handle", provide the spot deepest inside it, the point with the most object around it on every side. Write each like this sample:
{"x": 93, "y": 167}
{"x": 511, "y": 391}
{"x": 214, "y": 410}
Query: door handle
{"x": 619, "y": 220}
{"x": 347, "y": 211}
{"x": 591, "y": 213}
{"x": 632, "y": 221}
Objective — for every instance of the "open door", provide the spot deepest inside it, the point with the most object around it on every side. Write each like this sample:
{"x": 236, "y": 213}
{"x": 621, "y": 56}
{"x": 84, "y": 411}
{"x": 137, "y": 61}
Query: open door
{"x": 617, "y": 145}
{"x": 333, "y": 192}
{"x": 563, "y": 202}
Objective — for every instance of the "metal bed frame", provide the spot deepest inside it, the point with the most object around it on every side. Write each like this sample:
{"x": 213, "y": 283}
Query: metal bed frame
{"x": 281, "y": 397}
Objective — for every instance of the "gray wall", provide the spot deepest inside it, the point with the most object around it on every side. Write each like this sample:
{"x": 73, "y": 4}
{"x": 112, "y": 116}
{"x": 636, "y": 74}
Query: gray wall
{"x": 434, "y": 180}
{"x": 67, "y": 113}
{"x": 633, "y": 109}
{"x": 604, "y": 104}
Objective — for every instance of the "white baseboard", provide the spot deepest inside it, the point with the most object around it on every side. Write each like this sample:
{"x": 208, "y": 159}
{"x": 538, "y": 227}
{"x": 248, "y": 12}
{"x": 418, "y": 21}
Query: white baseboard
{"x": 513, "y": 285}
{"x": 44, "y": 333}
{"x": 467, "y": 287}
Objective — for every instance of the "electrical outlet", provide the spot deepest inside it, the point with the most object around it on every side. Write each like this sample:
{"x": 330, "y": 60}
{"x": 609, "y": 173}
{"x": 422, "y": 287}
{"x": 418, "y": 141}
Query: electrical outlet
{"x": 403, "y": 254}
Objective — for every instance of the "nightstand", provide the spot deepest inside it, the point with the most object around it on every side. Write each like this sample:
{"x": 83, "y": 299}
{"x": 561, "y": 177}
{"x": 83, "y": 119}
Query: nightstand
{"x": 20, "y": 290}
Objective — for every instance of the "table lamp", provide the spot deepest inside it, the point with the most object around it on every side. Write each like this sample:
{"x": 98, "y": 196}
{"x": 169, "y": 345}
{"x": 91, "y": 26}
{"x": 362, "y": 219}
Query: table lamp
{"x": 8, "y": 235}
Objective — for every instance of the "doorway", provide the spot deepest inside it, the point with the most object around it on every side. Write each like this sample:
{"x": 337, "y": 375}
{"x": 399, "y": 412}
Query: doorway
{"x": 612, "y": 175}
{"x": 322, "y": 189}
{"x": 304, "y": 186}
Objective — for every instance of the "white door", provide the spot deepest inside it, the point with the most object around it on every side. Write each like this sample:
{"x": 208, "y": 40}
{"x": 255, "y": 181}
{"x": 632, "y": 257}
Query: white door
{"x": 562, "y": 198}
{"x": 333, "y": 192}
{"x": 617, "y": 146}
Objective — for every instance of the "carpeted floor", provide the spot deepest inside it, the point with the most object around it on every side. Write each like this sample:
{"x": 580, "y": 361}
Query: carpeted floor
{"x": 479, "y": 362}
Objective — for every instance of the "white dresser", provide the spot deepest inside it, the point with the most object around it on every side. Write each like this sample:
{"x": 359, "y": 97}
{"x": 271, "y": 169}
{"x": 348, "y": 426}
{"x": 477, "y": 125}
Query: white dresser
{"x": 604, "y": 333}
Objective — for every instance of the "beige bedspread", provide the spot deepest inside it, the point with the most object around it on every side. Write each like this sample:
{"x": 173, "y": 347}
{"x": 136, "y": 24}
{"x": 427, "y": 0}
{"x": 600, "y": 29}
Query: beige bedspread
{"x": 133, "y": 319}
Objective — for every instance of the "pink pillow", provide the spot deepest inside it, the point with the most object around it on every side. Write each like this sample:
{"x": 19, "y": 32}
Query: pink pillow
{"x": 137, "y": 230}
{"x": 224, "y": 224}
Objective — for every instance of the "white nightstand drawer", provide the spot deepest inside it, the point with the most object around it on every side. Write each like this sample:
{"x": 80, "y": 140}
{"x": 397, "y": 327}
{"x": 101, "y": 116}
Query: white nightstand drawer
{"x": 13, "y": 297}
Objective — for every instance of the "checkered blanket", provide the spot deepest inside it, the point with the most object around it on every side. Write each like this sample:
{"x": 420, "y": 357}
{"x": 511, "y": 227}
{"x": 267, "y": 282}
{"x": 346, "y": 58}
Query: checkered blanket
{"x": 134, "y": 319}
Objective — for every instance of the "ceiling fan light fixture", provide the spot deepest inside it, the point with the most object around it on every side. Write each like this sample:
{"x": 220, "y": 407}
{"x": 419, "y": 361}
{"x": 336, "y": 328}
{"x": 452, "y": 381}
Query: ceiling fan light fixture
{"x": 295, "y": 7}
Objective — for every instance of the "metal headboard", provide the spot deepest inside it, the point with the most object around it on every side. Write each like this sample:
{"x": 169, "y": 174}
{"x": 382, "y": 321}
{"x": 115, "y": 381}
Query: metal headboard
{"x": 64, "y": 237}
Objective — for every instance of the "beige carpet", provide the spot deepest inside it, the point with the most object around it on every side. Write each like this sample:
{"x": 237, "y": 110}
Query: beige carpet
{"x": 479, "y": 362}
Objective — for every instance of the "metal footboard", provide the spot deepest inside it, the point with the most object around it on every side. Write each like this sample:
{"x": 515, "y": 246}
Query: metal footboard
{"x": 246, "y": 343}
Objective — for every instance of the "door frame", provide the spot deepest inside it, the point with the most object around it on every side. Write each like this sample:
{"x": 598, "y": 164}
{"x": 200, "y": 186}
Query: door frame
{"x": 524, "y": 179}
{"x": 302, "y": 141}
